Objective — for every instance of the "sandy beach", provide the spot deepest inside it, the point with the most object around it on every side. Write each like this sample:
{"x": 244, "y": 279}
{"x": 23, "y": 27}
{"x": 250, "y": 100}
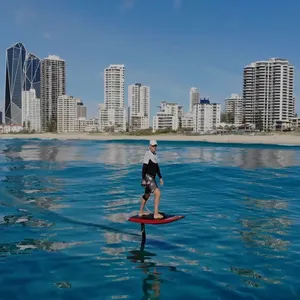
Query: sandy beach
{"x": 285, "y": 139}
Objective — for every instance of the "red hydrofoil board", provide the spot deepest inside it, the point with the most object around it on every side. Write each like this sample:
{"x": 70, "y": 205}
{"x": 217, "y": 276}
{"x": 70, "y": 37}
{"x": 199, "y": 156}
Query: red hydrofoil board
{"x": 149, "y": 219}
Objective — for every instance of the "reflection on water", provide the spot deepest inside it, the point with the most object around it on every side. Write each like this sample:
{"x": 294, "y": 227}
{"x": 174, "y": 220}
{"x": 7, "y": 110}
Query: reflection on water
{"x": 64, "y": 227}
{"x": 267, "y": 230}
{"x": 152, "y": 272}
{"x": 267, "y": 204}
{"x": 121, "y": 154}
{"x": 124, "y": 154}
{"x": 263, "y": 158}
{"x": 246, "y": 158}
{"x": 24, "y": 220}
{"x": 254, "y": 275}
{"x": 27, "y": 246}
{"x": 24, "y": 179}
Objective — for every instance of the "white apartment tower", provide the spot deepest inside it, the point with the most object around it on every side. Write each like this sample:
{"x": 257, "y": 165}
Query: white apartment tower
{"x": 114, "y": 86}
{"x": 268, "y": 92}
{"x": 139, "y": 106}
{"x": 194, "y": 98}
{"x": 53, "y": 85}
{"x": 235, "y": 106}
{"x": 168, "y": 117}
{"x": 113, "y": 109}
{"x": 206, "y": 116}
{"x": 66, "y": 113}
{"x": 31, "y": 111}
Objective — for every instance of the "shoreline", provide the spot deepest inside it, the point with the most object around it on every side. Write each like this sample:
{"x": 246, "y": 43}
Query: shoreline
{"x": 272, "y": 139}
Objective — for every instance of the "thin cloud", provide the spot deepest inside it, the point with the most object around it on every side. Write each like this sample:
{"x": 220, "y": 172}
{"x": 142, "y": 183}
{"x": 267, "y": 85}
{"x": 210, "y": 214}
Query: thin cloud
{"x": 24, "y": 16}
{"x": 47, "y": 36}
{"x": 128, "y": 4}
{"x": 177, "y": 4}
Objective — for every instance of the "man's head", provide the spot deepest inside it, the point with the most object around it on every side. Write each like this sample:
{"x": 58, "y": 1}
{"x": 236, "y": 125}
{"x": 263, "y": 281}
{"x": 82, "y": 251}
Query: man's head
{"x": 152, "y": 145}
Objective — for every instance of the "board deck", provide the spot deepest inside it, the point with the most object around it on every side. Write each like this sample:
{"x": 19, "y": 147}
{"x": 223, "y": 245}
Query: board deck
{"x": 149, "y": 219}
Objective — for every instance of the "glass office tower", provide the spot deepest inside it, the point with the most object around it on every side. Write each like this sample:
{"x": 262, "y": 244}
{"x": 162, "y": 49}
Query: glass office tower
{"x": 15, "y": 59}
{"x": 32, "y": 72}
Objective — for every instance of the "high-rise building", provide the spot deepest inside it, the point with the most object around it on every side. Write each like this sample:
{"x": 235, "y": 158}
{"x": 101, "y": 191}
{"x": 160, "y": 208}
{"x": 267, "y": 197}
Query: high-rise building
{"x": 14, "y": 83}
{"x": 194, "y": 98}
{"x": 268, "y": 92}
{"x": 113, "y": 110}
{"x": 206, "y": 116}
{"x": 32, "y": 73}
{"x": 22, "y": 74}
{"x": 53, "y": 85}
{"x": 114, "y": 86}
{"x": 81, "y": 110}
{"x": 168, "y": 117}
{"x": 216, "y": 114}
{"x": 31, "y": 111}
{"x": 138, "y": 105}
{"x": 66, "y": 113}
{"x": 234, "y": 105}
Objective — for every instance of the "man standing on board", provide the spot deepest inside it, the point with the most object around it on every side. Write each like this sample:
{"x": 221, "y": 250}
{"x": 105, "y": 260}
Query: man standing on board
{"x": 149, "y": 171}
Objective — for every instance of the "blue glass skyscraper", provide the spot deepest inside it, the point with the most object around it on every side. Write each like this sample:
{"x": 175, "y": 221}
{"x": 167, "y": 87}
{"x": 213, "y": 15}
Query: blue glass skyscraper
{"x": 32, "y": 72}
{"x": 15, "y": 59}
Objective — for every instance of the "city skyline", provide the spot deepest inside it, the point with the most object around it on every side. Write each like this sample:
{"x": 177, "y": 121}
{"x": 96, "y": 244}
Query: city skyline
{"x": 31, "y": 63}
{"x": 27, "y": 71}
{"x": 198, "y": 45}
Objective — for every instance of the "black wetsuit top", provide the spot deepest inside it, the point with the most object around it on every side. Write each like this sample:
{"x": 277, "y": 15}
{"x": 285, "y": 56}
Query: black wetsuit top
{"x": 150, "y": 165}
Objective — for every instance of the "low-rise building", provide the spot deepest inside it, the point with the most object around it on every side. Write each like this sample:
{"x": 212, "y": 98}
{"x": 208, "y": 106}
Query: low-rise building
{"x": 168, "y": 117}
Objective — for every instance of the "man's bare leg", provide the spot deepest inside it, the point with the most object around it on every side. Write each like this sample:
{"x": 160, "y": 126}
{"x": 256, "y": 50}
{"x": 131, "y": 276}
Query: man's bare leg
{"x": 143, "y": 202}
{"x": 156, "y": 204}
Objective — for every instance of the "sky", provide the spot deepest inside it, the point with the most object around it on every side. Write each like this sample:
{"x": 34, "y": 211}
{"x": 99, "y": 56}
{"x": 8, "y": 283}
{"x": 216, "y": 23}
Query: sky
{"x": 169, "y": 45}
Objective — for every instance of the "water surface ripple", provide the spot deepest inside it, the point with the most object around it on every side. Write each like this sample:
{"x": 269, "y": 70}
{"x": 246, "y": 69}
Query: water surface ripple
{"x": 64, "y": 231}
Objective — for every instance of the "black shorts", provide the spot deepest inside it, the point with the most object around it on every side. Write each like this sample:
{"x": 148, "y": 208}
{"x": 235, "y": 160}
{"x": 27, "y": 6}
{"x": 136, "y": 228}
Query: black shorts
{"x": 151, "y": 184}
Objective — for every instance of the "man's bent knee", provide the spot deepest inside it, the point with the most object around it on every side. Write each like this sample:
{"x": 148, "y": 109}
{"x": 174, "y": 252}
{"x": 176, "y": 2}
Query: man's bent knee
{"x": 146, "y": 197}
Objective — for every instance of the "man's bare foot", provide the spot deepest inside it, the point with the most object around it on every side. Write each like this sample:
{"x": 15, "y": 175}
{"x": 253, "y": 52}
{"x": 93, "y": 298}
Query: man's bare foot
{"x": 158, "y": 216}
{"x": 143, "y": 214}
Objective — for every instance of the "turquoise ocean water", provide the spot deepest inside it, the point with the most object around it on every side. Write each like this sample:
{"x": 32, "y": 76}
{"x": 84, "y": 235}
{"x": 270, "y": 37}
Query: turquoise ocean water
{"x": 64, "y": 232}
